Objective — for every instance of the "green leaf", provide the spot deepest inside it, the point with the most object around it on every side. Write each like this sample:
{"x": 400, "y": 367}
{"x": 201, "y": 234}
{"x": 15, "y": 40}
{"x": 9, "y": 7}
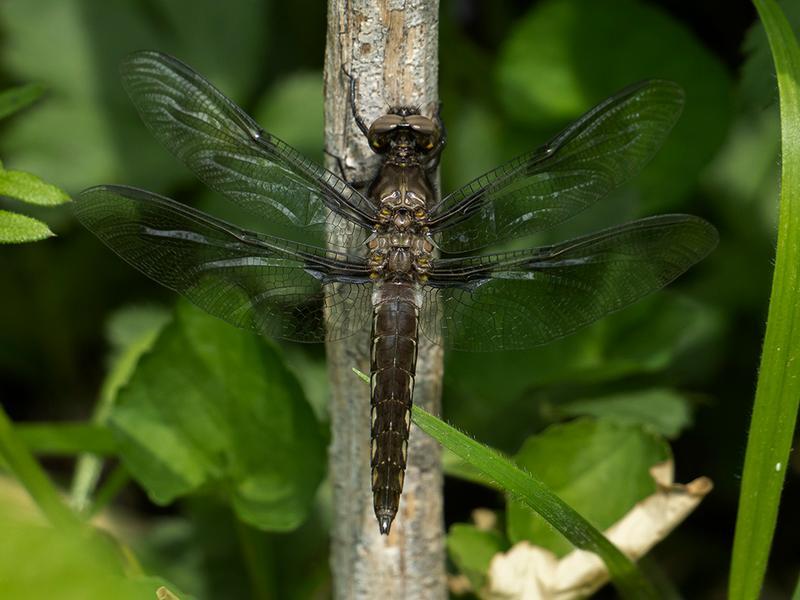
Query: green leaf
{"x": 472, "y": 549}
{"x": 454, "y": 466}
{"x": 599, "y": 468}
{"x": 778, "y": 390}
{"x": 29, "y": 188}
{"x": 16, "y": 228}
{"x": 664, "y": 411}
{"x": 214, "y": 407}
{"x": 18, "y": 98}
{"x": 41, "y": 561}
{"x": 528, "y": 489}
{"x": 131, "y": 332}
{"x": 566, "y": 55}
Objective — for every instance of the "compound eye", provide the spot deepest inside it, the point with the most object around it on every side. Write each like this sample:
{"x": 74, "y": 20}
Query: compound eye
{"x": 419, "y": 213}
{"x": 426, "y": 142}
{"x": 385, "y": 211}
{"x": 421, "y": 125}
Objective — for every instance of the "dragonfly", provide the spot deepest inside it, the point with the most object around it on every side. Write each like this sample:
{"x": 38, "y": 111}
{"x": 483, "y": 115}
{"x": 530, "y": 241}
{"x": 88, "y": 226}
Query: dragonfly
{"x": 391, "y": 257}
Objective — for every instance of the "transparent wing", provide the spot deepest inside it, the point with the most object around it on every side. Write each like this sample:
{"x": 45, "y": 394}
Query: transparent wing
{"x": 254, "y": 281}
{"x": 530, "y": 297}
{"x": 232, "y": 154}
{"x": 594, "y": 155}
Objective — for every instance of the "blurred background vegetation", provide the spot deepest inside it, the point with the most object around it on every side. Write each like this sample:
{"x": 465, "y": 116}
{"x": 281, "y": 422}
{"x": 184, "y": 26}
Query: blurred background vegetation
{"x": 674, "y": 374}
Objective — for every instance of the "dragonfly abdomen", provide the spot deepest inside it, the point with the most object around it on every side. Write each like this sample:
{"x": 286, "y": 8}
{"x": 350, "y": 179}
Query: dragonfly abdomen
{"x": 393, "y": 363}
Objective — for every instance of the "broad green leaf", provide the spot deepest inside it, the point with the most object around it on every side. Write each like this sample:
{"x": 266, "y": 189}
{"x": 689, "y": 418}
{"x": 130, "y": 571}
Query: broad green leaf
{"x": 131, "y": 332}
{"x": 472, "y": 549}
{"x": 529, "y": 489}
{"x": 16, "y": 228}
{"x": 214, "y": 407}
{"x": 775, "y": 409}
{"x": 41, "y": 561}
{"x": 19, "y": 97}
{"x": 663, "y": 410}
{"x": 567, "y": 55}
{"x": 87, "y": 132}
{"x": 599, "y": 468}
{"x": 29, "y": 188}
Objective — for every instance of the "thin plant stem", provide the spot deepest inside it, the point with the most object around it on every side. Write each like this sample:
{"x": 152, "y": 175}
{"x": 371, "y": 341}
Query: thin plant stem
{"x": 33, "y": 478}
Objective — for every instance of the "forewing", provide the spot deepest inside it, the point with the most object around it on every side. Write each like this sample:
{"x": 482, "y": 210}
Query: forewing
{"x": 526, "y": 298}
{"x": 254, "y": 281}
{"x": 594, "y": 155}
{"x": 232, "y": 154}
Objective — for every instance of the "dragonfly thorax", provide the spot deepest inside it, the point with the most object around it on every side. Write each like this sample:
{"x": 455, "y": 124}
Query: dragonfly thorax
{"x": 401, "y": 194}
{"x": 400, "y": 256}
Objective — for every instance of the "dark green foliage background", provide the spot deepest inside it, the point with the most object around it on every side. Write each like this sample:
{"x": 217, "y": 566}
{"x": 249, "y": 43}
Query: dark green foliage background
{"x": 678, "y": 366}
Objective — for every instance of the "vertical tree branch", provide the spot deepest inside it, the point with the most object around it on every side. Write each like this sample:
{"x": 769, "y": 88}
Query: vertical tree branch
{"x": 390, "y": 47}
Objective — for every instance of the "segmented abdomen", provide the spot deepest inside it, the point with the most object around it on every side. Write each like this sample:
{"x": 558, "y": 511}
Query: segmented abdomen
{"x": 394, "y": 358}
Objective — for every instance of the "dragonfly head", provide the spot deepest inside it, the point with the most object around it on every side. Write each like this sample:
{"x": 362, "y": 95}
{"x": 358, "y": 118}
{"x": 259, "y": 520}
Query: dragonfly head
{"x": 404, "y": 126}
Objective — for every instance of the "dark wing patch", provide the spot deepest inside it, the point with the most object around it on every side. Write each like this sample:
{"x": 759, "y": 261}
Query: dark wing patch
{"x": 530, "y": 297}
{"x": 599, "y": 152}
{"x": 232, "y": 154}
{"x": 272, "y": 286}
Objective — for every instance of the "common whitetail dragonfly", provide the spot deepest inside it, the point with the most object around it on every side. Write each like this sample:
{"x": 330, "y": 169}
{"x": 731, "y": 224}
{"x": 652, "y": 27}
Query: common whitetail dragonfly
{"x": 394, "y": 258}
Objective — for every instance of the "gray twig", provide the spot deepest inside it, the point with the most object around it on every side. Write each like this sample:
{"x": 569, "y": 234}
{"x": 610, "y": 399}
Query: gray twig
{"x": 391, "y": 48}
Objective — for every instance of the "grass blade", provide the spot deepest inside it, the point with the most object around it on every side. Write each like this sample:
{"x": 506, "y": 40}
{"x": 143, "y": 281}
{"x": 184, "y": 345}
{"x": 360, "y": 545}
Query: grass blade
{"x": 630, "y": 582}
{"x": 778, "y": 389}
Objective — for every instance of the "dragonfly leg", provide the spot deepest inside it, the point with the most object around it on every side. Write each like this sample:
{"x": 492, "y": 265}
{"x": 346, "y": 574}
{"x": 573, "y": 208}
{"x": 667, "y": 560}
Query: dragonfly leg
{"x": 436, "y": 153}
{"x": 352, "y": 99}
{"x": 341, "y": 168}
{"x": 339, "y": 163}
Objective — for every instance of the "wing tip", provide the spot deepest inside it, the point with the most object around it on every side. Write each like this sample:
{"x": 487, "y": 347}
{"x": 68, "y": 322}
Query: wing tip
{"x": 138, "y": 60}
{"x": 665, "y": 86}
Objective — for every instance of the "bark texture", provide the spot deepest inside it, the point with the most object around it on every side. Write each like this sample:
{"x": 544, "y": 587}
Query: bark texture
{"x": 390, "y": 47}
